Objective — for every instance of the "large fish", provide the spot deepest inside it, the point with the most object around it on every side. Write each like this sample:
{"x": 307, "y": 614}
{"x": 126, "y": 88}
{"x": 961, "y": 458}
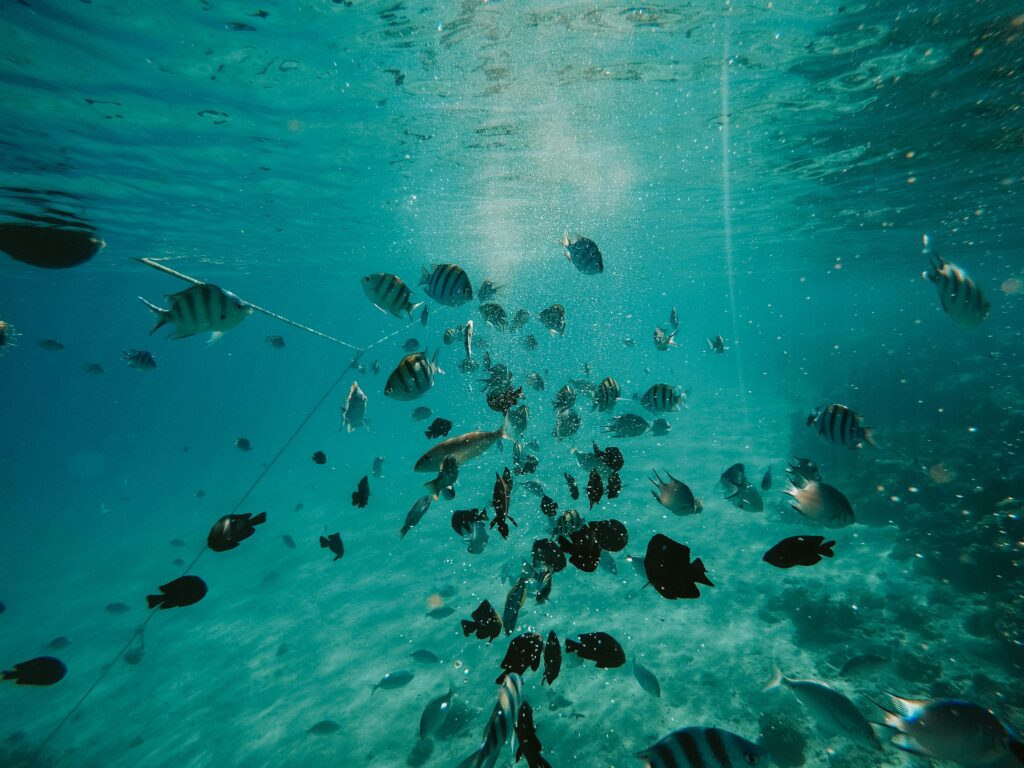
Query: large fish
{"x": 960, "y": 296}
{"x": 203, "y": 308}
{"x": 389, "y": 294}
{"x": 463, "y": 447}
{"x": 412, "y": 377}
{"x": 447, "y": 284}
{"x": 704, "y": 748}
{"x": 500, "y": 725}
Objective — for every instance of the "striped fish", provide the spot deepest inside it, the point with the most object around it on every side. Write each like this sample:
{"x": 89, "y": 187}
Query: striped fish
{"x": 704, "y": 748}
{"x": 139, "y": 359}
{"x": 500, "y": 725}
{"x": 203, "y": 308}
{"x": 412, "y": 377}
{"x": 960, "y": 296}
{"x": 606, "y": 394}
{"x": 662, "y": 398}
{"x": 448, "y": 284}
{"x": 838, "y": 424}
{"x": 390, "y": 294}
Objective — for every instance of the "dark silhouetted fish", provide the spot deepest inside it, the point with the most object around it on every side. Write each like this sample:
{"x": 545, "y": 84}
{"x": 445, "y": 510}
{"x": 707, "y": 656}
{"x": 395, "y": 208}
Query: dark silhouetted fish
{"x": 799, "y": 550}
{"x": 139, "y": 359}
{"x": 42, "y": 670}
{"x": 319, "y": 457}
{"x": 334, "y": 543}
{"x": 523, "y": 653}
{"x": 553, "y": 318}
{"x": 611, "y": 457}
{"x": 324, "y": 728}
{"x": 485, "y": 622}
{"x": 614, "y": 486}
{"x": 529, "y": 745}
{"x": 669, "y": 570}
{"x": 766, "y": 481}
{"x": 411, "y": 345}
{"x": 547, "y": 556}
{"x": 424, "y": 656}
{"x": 548, "y": 506}
{"x": 51, "y": 345}
{"x": 599, "y": 647}
{"x": 646, "y": 679}
{"x": 574, "y": 490}
{"x": 277, "y": 342}
{"x": 93, "y": 368}
{"x": 228, "y": 532}
{"x": 361, "y": 496}
{"x": 58, "y": 643}
{"x": 627, "y": 425}
{"x": 288, "y": 541}
{"x": 438, "y": 428}
{"x": 583, "y": 254}
{"x": 393, "y": 680}
{"x": 494, "y": 314}
{"x": 185, "y": 590}
{"x": 500, "y": 498}
{"x": 243, "y": 444}
{"x": 595, "y": 488}
{"x": 117, "y": 608}
{"x": 435, "y": 713}
{"x": 422, "y": 413}
{"x": 583, "y": 550}
{"x": 552, "y": 658}
{"x": 415, "y": 514}
{"x": 441, "y": 612}
{"x": 611, "y": 535}
{"x": 463, "y": 519}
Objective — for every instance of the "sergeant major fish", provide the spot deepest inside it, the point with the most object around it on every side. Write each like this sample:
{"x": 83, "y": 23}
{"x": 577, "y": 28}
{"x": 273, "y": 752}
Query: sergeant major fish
{"x": 959, "y": 295}
{"x": 412, "y": 377}
{"x": 389, "y": 294}
{"x": 704, "y": 748}
{"x": 200, "y": 308}
{"x": 500, "y": 724}
{"x": 447, "y": 284}
{"x": 838, "y": 424}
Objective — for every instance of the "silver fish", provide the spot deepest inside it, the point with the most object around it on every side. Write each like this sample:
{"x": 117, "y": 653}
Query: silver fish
{"x": 960, "y": 296}
{"x": 675, "y": 495}
{"x": 463, "y": 447}
{"x": 203, "y": 308}
{"x": 389, "y": 294}
{"x": 468, "y": 339}
{"x": 353, "y": 413}
{"x": 821, "y": 503}
{"x": 412, "y": 377}
{"x": 447, "y": 284}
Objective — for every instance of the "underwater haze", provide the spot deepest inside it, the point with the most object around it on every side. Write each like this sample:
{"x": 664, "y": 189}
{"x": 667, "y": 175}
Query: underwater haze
{"x": 763, "y": 209}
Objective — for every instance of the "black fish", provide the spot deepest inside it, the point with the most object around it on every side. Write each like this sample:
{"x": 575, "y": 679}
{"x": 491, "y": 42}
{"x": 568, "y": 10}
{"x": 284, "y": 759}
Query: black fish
{"x": 766, "y": 481}
{"x": 735, "y": 475}
{"x": 668, "y": 568}
{"x": 500, "y": 500}
{"x": 595, "y": 488}
{"x": 547, "y": 557}
{"x": 529, "y": 745}
{"x": 277, "y": 342}
{"x": 231, "y": 530}
{"x": 243, "y": 444}
{"x": 612, "y": 457}
{"x": 438, "y": 428}
{"x": 599, "y": 647}
{"x": 463, "y": 519}
{"x": 525, "y": 465}
{"x": 799, "y": 550}
{"x": 494, "y": 314}
{"x": 49, "y": 247}
{"x": 288, "y": 541}
{"x": 319, "y": 457}
{"x": 362, "y": 494}
{"x": 574, "y": 491}
{"x": 334, "y": 543}
{"x": 42, "y": 670}
{"x": 614, "y": 485}
{"x": 523, "y": 652}
{"x": 504, "y": 400}
{"x": 805, "y": 468}
{"x": 185, "y": 590}
{"x": 548, "y": 506}
{"x": 486, "y": 623}
{"x": 552, "y": 658}
{"x": 583, "y": 550}
{"x": 610, "y": 534}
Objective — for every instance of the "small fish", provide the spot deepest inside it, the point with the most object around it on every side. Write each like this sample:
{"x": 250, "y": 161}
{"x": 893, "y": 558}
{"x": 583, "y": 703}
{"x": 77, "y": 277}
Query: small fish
{"x": 59, "y": 643}
{"x": 548, "y": 506}
{"x": 959, "y": 295}
{"x": 435, "y": 713}
{"x": 614, "y": 486}
{"x": 378, "y": 466}
{"x": 673, "y": 319}
{"x": 838, "y": 424}
{"x": 567, "y": 424}
{"x": 500, "y": 498}
{"x": 675, "y": 495}
{"x": 200, "y": 308}
{"x": 494, "y": 314}
{"x": 595, "y": 488}
{"x": 583, "y": 254}
{"x": 599, "y": 647}
{"x": 485, "y": 622}
{"x": 117, "y": 608}
{"x": 228, "y": 532}
{"x": 530, "y": 342}
{"x": 361, "y": 496}
{"x": 320, "y": 458}
{"x": 524, "y": 652}
{"x": 547, "y": 557}
{"x": 139, "y": 359}
{"x": 564, "y": 398}
{"x": 500, "y": 724}
{"x": 447, "y": 284}
{"x": 178, "y": 562}
{"x": 799, "y": 550}
{"x": 375, "y": 367}
{"x": 334, "y": 543}
{"x": 415, "y": 514}
{"x": 513, "y": 602}
{"x": 664, "y": 340}
{"x": 528, "y": 745}
{"x": 324, "y": 728}
{"x": 865, "y": 663}
{"x": 185, "y": 590}
{"x": 51, "y": 345}
{"x": 451, "y": 334}
{"x": 574, "y": 490}
{"x": 535, "y": 380}
{"x": 607, "y": 395}
{"x": 243, "y": 444}
{"x": 176, "y": 543}
{"x": 422, "y": 413}
{"x": 424, "y": 315}
{"x": 552, "y": 658}
{"x": 394, "y": 680}
{"x": 668, "y": 567}
{"x": 488, "y": 290}
{"x": 662, "y": 398}
{"x": 717, "y": 345}
{"x": 288, "y": 541}
{"x": 822, "y": 503}
{"x": 467, "y": 342}
{"x": 704, "y": 748}
{"x": 553, "y": 318}
{"x": 424, "y": 656}
{"x": 476, "y": 539}
{"x": 805, "y": 468}
{"x": 627, "y": 425}
{"x": 277, "y": 342}
{"x": 503, "y": 400}
{"x": 535, "y": 488}
{"x": 611, "y": 535}
{"x": 438, "y": 428}
{"x": 42, "y": 670}
{"x": 446, "y": 478}
{"x": 520, "y": 319}
{"x": 463, "y": 519}
{"x": 582, "y": 547}
{"x": 629, "y": 342}
{"x": 441, "y": 612}
{"x": 95, "y": 369}
{"x": 200, "y": 494}
{"x": 389, "y": 294}
{"x": 411, "y": 345}
{"x": 646, "y": 679}
{"x": 660, "y": 427}
{"x": 766, "y": 481}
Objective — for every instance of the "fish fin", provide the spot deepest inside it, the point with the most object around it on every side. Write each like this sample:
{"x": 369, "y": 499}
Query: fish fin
{"x": 904, "y": 707}
{"x": 258, "y": 519}
{"x": 323, "y": 542}
{"x": 565, "y": 239}
{"x": 869, "y": 436}
{"x": 214, "y": 337}
{"x": 412, "y": 308}
{"x": 775, "y": 681}
{"x": 826, "y": 549}
{"x": 902, "y": 741}
{"x": 162, "y": 315}
{"x": 698, "y": 504}
{"x": 434, "y": 486}
{"x": 424, "y": 276}
{"x": 572, "y": 646}
{"x": 154, "y": 600}
{"x": 177, "y": 335}
{"x": 702, "y": 577}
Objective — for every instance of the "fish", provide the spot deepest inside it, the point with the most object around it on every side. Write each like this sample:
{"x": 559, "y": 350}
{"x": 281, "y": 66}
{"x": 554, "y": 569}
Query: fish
{"x": 394, "y": 680}
{"x": 552, "y": 658}
{"x": 324, "y": 728}
{"x": 494, "y": 314}
{"x": 334, "y": 543}
{"x": 464, "y": 448}
{"x": 415, "y": 514}
{"x": 582, "y": 547}
{"x": 614, "y": 485}
{"x": 611, "y": 535}
{"x": 117, "y": 608}
{"x": 959, "y": 295}
{"x": 389, "y": 294}
{"x": 42, "y": 670}
{"x": 411, "y": 345}
{"x": 498, "y": 376}
{"x": 951, "y": 730}
{"x": 838, "y": 424}
{"x": 451, "y": 334}
{"x": 704, "y": 748}
{"x": 424, "y": 315}
{"x": 528, "y": 745}
{"x": 500, "y": 724}
{"x": 660, "y": 427}
{"x": 520, "y": 319}
{"x": 535, "y": 380}
{"x": 445, "y": 479}
{"x": 477, "y": 538}
{"x": 607, "y": 562}
{"x": 184, "y": 590}
{"x": 488, "y": 290}
{"x": 463, "y": 519}
{"x": 599, "y": 647}
{"x": 421, "y": 413}
{"x": 717, "y": 345}
{"x": 447, "y": 284}
{"x": 568, "y": 522}
{"x": 547, "y": 557}
{"x": 177, "y": 543}
{"x": 804, "y": 468}
{"x": 228, "y": 532}
{"x": 523, "y": 653}
{"x": 59, "y": 643}
{"x": 567, "y": 424}
{"x": 664, "y": 340}
{"x": 243, "y": 444}
{"x": 441, "y": 612}
{"x": 583, "y": 254}
{"x": 288, "y": 541}
{"x": 553, "y": 318}
{"x": 484, "y": 622}
{"x": 627, "y": 425}
{"x": 662, "y": 398}
{"x": 513, "y": 602}
{"x": 611, "y": 457}
{"x": 675, "y": 495}
{"x": 93, "y": 368}
{"x": 524, "y": 465}
{"x": 832, "y": 709}
{"x": 606, "y": 395}
{"x": 277, "y": 342}
{"x": 378, "y": 466}
{"x": 530, "y": 342}
{"x": 799, "y": 550}
{"x": 535, "y": 488}
{"x": 646, "y": 679}
{"x": 500, "y": 499}
{"x": 413, "y": 377}
{"x": 439, "y": 427}
{"x": 548, "y": 506}
{"x": 320, "y": 458}
{"x": 564, "y": 398}
{"x": 673, "y": 319}
{"x": 821, "y": 503}
{"x": 202, "y": 308}
{"x": 139, "y": 359}
{"x": 669, "y": 570}
{"x": 574, "y": 490}
{"x": 467, "y": 339}
{"x": 361, "y": 496}
{"x": 867, "y": 662}
{"x": 766, "y": 480}
{"x": 504, "y": 400}
{"x": 595, "y": 488}
{"x": 424, "y": 656}
{"x": 435, "y": 713}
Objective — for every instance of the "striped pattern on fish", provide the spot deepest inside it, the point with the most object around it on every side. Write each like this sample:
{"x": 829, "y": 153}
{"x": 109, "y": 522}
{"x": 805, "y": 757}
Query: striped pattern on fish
{"x": 202, "y": 308}
{"x": 412, "y": 377}
{"x": 703, "y": 748}
{"x": 959, "y": 295}
{"x": 838, "y": 424}
{"x": 390, "y": 294}
{"x": 662, "y": 398}
{"x": 606, "y": 395}
{"x": 500, "y": 725}
{"x": 448, "y": 284}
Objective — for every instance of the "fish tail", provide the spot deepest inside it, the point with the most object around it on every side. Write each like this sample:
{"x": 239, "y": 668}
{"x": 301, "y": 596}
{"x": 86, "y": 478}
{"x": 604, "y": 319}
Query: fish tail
{"x": 776, "y": 679}
{"x": 433, "y": 361}
{"x": 258, "y": 519}
{"x": 571, "y": 646}
{"x": 468, "y": 627}
{"x": 414, "y": 307}
{"x": 162, "y": 315}
{"x": 154, "y": 600}
{"x": 424, "y": 276}
{"x": 434, "y": 486}
{"x": 826, "y": 549}
{"x": 9, "y": 674}
{"x": 698, "y": 504}
{"x": 869, "y": 436}
{"x": 324, "y": 543}
{"x": 565, "y": 239}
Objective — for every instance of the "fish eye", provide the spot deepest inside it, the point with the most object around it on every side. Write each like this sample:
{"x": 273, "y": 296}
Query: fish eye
{"x": 751, "y": 758}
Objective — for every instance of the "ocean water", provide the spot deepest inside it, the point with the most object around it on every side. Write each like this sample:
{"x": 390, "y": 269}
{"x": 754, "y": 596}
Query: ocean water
{"x": 767, "y": 168}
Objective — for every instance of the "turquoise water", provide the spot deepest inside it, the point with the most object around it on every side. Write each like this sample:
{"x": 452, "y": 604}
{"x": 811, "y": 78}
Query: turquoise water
{"x": 767, "y": 168}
